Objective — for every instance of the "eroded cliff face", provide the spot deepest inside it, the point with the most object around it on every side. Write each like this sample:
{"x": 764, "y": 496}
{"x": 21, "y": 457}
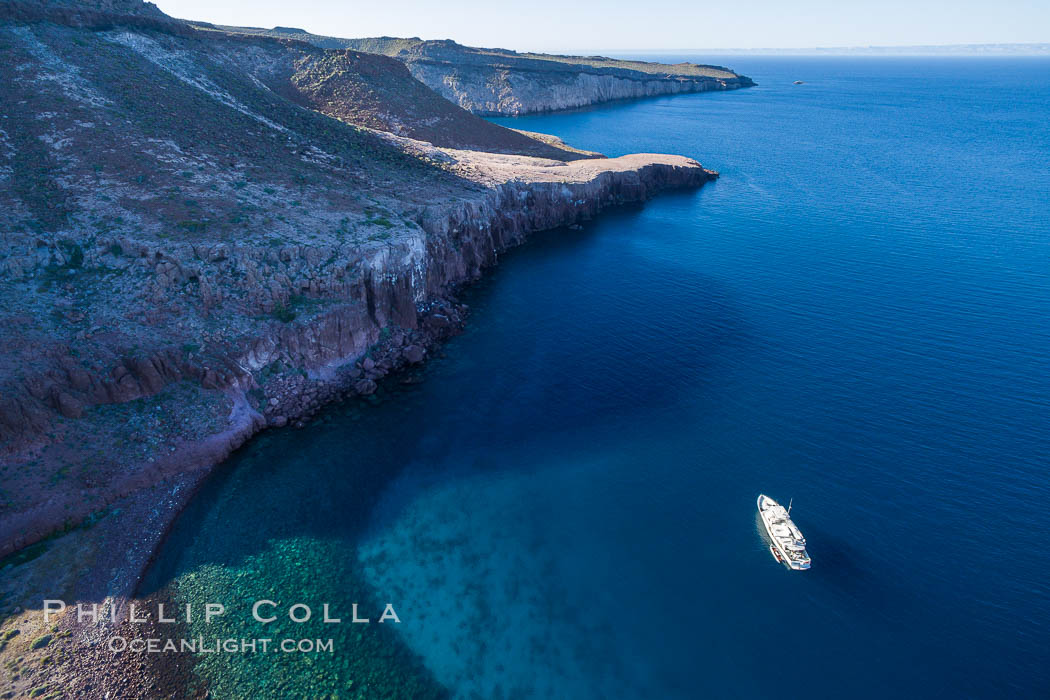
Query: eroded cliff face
{"x": 193, "y": 251}
{"x": 500, "y": 91}
{"x": 385, "y": 316}
{"x": 503, "y": 82}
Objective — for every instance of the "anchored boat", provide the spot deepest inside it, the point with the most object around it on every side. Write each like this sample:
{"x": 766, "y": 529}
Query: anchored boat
{"x": 788, "y": 544}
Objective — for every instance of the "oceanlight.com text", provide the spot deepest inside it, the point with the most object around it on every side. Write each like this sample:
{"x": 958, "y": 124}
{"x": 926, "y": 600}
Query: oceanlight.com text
{"x": 217, "y": 645}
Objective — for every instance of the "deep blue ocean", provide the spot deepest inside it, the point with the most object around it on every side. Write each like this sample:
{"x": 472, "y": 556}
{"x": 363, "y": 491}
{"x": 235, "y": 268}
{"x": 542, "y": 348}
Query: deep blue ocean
{"x": 855, "y": 316}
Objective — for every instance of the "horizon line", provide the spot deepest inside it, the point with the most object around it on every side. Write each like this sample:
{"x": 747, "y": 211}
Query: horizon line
{"x": 1034, "y": 49}
{"x": 979, "y": 49}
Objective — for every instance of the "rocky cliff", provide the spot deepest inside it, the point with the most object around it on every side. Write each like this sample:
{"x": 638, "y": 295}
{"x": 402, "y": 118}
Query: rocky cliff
{"x": 503, "y": 82}
{"x": 205, "y": 234}
{"x": 502, "y": 90}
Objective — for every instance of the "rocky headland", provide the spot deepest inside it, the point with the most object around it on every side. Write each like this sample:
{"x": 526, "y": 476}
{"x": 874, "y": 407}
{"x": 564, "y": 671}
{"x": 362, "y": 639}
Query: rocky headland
{"x": 495, "y": 82}
{"x": 207, "y": 234}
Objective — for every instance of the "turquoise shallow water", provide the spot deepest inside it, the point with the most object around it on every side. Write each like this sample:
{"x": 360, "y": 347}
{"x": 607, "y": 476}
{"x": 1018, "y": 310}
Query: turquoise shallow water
{"x": 854, "y": 315}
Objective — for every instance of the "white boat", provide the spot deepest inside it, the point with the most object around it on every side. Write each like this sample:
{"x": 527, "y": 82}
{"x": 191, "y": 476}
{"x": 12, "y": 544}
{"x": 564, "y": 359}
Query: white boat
{"x": 788, "y": 544}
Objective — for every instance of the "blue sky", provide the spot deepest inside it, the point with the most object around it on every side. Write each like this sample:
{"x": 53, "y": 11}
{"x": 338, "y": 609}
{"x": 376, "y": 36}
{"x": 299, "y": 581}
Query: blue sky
{"x": 564, "y": 25}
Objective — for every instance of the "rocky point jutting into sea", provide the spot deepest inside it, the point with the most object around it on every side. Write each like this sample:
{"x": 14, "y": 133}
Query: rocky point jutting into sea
{"x": 207, "y": 233}
{"x": 504, "y": 82}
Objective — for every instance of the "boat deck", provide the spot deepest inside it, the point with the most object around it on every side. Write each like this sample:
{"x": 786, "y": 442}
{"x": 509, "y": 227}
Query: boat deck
{"x": 787, "y": 540}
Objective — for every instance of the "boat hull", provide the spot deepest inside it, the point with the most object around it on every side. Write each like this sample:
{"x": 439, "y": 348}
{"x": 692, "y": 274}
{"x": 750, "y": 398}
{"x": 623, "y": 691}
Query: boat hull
{"x": 796, "y": 561}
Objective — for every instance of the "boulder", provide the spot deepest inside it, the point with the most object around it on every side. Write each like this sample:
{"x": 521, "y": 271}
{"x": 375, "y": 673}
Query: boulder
{"x": 413, "y": 354}
{"x": 365, "y": 387}
{"x": 147, "y": 374}
{"x": 437, "y": 323}
{"x": 68, "y": 406}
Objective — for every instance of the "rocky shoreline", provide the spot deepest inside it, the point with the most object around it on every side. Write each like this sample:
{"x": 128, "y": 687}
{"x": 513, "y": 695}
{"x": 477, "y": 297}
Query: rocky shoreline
{"x": 344, "y": 351}
{"x": 142, "y": 512}
{"x": 173, "y": 287}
